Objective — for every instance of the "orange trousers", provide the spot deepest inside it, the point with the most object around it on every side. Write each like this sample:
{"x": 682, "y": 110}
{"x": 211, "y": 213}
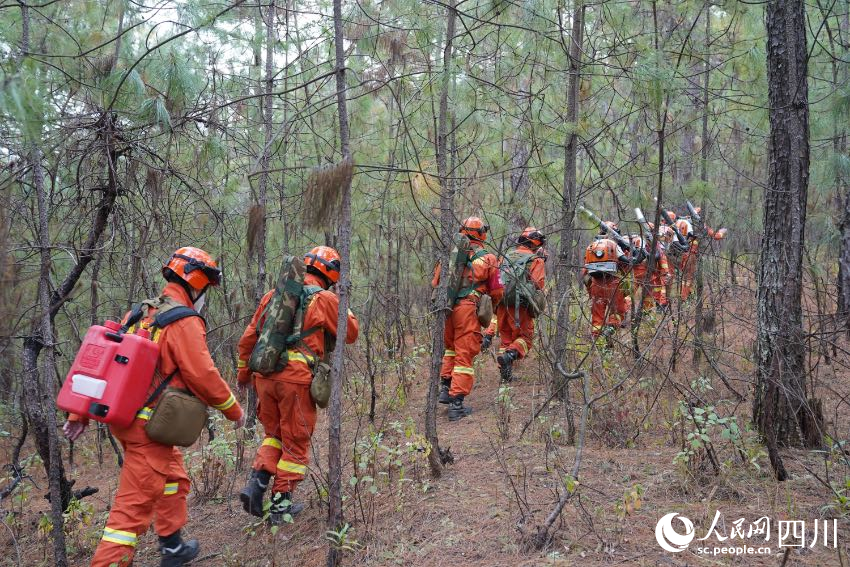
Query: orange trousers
{"x": 513, "y": 336}
{"x": 152, "y": 487}
{"x": 288, "y": 415}
{"x": 687, "y": 269}
{"x": 608, "y": 303}
{"x": 462, "y": 337}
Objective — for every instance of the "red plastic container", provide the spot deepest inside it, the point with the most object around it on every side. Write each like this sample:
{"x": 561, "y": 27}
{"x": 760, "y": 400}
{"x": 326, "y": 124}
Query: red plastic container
{"x": 111, "y": 375}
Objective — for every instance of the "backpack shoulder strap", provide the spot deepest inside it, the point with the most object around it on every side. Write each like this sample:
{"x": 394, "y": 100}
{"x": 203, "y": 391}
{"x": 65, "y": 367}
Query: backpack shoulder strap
{"x": 137, "y": 311}
{"x": 479, "y": 254}
{"x": 164, "y": 318}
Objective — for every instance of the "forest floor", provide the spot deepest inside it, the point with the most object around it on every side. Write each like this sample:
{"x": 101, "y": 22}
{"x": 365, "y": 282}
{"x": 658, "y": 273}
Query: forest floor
{"x": 500, "y": 486}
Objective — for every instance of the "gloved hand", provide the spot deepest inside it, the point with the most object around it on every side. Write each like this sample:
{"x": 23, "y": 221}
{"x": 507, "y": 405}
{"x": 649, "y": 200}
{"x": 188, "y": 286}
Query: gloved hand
{"x": 485, "y": 344}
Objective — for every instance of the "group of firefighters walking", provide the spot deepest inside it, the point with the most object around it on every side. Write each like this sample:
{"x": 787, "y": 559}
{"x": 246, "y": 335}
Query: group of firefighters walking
{"x": 153, "y": 485}
{"x": 618, "y": 270}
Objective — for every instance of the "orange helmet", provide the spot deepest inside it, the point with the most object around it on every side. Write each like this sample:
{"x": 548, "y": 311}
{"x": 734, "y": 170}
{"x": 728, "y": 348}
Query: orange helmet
{"x": 324, "y": 260}
{"x": 193, "y": 266}
{"x": 532, "y": 238}
{"x": 475, "y": 229}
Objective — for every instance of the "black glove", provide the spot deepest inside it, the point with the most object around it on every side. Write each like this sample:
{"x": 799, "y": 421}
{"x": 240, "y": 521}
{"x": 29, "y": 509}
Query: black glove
{"x": 485, "y": 344}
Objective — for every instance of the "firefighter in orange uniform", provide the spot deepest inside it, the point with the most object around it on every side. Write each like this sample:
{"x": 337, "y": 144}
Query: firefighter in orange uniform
{"x": 284, "y": 405}
{"x": 515, "y": 324}
{"x": 153, "y": 485}
{"x": 662, "y": 275}
{"x": 605, "y": 261}
{"x": 688, "y": 261}
{"x": 462, "y": 333}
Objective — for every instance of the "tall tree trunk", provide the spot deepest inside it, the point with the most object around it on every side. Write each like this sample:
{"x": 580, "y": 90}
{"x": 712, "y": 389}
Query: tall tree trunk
{"x": 782, "y": 409}
{"x": 265, "y": 155}
{"x": 335, "y": 516}
{"x": 442, "y": 249}
{"x": 564, "y": 266}
{"x": 40, "y": 392}
{"x": 839, "y": 146}
{"x": 703, "y": 175}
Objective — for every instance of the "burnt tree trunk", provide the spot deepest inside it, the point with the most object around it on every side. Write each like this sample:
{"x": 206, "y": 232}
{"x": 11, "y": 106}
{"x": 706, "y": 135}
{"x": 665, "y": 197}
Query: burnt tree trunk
{"x": 782, "y": 409}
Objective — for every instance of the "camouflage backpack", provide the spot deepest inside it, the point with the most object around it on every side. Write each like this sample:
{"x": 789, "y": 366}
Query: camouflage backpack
{"x": 461, "y": 258}
{"x": 283, "y": 319}
{"x": 519, "y": 289}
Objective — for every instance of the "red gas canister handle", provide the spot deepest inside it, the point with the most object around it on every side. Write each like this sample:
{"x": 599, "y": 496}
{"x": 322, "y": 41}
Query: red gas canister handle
{"x": 144, "y": 333}
{"x": 112, "y": 325}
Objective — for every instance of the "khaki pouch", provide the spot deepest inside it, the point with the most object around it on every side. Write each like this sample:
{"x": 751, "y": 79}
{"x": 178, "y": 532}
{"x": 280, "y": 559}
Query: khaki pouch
{"x": 485, "y": 310}
{"x": 177, "y": 419}
{"x": 538, "y": 304}
{"x": 320, "y": 387}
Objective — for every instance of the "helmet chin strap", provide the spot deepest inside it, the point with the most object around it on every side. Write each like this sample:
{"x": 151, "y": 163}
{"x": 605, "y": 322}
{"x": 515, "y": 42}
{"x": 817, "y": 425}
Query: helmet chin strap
{"x": 198, "y": 297}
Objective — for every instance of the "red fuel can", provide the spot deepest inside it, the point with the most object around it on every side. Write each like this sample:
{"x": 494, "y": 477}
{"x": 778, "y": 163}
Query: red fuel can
{"x": 111, "y": 375}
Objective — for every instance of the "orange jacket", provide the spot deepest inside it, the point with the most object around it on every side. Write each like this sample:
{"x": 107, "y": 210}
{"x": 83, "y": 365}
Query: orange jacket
{"x": 183, "y": 350}
{"x": 322, "y": 312}
{"x": 484, "y": 271}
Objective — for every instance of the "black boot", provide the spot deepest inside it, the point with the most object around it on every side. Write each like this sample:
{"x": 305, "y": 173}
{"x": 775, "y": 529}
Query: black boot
{"x": 506, "y": 364}
{"x": 457, "y": 410}
{"x": 252, "y": 495}
{"x": 176, "y": 552}
{"x": 281, "y": 507}
{"x": 445, "y": 384}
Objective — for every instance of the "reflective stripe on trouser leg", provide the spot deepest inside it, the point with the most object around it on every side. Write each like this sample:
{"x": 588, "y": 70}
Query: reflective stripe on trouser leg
{"x": 290, "y": 467}
{"x": 269, "y": 452}
{"x": 521, "y": 347}
{"x": 119, "y": 536}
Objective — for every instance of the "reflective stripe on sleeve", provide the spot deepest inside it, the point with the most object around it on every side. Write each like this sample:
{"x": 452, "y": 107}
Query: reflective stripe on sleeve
{"x": 170, "y": 488}
{"x": 145, "y": 413}
{"x": 119, "y": 537}
{"x": 241, "y": 364}
{"x": 272, "y": 442}
{"x": 289, "y": 466}
{"x": 226, "y": 405}
{"x": 450, "y": 353}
